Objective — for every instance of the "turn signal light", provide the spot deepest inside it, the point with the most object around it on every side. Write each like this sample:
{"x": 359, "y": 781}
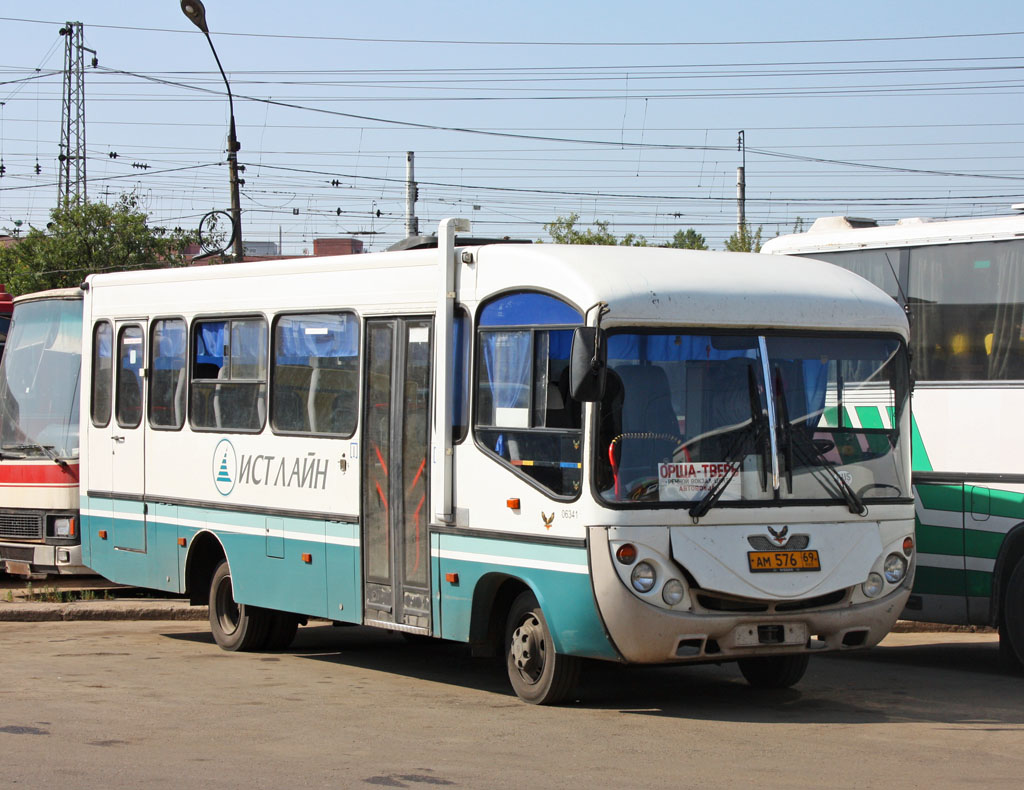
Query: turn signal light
{"x": 626, "y": 554}
{"x": 908, "y": 545}
{"x": 512, "y": 503}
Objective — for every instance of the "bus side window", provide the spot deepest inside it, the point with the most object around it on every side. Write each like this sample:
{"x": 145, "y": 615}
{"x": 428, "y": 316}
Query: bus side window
{"x": 524, "y": 414}
{"x": 314, "y": 374}
{"x": 229, "y": 375}
{"x": 131, "y": 354}
{"x": 167, "y": 379}
{"x": 102, "y": 373}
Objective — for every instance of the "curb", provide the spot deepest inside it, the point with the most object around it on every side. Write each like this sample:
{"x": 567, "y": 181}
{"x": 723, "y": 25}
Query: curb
{"x": 31, "y": 612}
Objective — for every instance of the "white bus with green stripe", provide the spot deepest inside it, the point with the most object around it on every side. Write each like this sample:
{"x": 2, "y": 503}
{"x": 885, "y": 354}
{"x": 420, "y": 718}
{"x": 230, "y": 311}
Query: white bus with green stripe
{"x": 962, "y": 283}
{"x": 549, "y": 452}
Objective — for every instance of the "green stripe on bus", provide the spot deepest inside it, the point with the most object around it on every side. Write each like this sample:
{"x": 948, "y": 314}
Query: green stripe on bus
{"x": 940, "y": 540}
{"x": 1009, "y": 504}
{"x": 949, "y": 498}
{"x": 982, "y": 544}
{"x": 870, "y": 417}
{"x": 979, "y": 583}
{"x": 919, "y": 456}
{"x": 939, "y": 581}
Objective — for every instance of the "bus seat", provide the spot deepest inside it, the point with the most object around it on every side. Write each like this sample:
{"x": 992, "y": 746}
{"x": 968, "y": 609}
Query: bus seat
{"x": 646, "y": 409}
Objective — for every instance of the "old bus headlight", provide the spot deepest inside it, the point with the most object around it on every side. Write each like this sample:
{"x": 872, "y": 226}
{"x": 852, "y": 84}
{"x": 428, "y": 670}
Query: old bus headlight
{"x": 673, "y": 592}
{"x": 873, "y": 586}
{"x": 895, "y": 568}
{"x": 643, "y": 577}
{"x": 64, "y": 527}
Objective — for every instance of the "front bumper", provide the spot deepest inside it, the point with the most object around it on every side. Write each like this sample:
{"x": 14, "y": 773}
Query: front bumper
{"x": 643, "y": 633}
{"x": 40, "y": 560}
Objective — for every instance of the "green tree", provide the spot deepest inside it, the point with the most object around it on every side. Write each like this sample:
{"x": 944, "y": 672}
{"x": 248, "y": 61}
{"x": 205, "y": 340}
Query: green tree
{"x": 744, "y": 241}
{"x": 564, "y": 231}
{"x": 88, "y": 237}
{"x": 688, "y": 239}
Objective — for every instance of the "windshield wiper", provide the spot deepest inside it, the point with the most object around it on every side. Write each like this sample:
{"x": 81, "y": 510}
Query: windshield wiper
{"x": 810, "y": 454}
{"x": 753, "y": 431}
{"x": 47, "y": 449}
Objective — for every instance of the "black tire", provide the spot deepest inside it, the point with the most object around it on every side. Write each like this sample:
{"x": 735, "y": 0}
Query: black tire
{"x": 538, "y": 674}
{"x": 235, "y": 626}
{"x": 774, "y": 672}
{"x": 281, "y": 631}
{"x": 1011, "y": 630}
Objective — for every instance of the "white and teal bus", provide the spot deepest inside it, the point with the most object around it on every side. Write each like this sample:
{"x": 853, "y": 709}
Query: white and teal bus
{"x": 552, "y": 452}
{"x": 962, "y": 282}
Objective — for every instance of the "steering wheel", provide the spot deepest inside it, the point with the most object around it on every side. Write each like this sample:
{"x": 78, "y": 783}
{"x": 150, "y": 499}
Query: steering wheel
{"x": 869, "y": 486}
{"x": 645, "y": 484}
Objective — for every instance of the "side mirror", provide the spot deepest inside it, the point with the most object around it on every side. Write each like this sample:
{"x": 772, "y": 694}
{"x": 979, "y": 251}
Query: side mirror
{"x": 588, "y": 364}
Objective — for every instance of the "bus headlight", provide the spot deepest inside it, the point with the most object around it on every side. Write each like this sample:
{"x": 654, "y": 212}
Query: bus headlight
{"x": 673, "y": 592}
{"x": 873, "y": 586}
{"x": 895, "y": 568}
{"x": 643, "y": 577}
{"x": 64, "y": 527}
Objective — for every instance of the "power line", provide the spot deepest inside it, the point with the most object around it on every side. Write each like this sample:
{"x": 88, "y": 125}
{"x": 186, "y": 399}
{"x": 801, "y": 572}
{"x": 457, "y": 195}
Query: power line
{"x": 619, "y": 44}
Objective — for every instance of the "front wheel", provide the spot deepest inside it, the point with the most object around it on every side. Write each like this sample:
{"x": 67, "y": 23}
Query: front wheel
{"x": 235, "y": 626}
{"x": 774, "y": 672}
{"x": 538, "y": 674}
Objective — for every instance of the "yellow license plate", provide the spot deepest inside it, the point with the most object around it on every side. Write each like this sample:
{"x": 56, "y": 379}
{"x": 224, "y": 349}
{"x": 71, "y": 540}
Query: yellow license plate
{"x": 781, "y": 561}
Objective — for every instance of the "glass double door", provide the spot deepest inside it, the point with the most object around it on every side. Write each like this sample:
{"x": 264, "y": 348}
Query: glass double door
{"x": 395, "y": 473}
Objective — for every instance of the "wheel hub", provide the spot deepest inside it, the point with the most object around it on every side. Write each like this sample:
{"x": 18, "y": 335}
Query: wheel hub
{"x": 528, "y": 649}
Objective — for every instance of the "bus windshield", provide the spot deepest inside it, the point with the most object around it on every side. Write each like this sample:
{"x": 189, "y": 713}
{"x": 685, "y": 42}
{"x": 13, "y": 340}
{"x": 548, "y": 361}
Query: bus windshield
{"x": 39, "y": 378}
{"x": 701, "y": 420}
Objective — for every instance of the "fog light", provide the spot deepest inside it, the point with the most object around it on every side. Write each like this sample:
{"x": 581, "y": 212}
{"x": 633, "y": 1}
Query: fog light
{"x": 673, "y": 592}
{"x": 643, "y": 577}
{"x": 895, "y": 568}
{"x": 873, "y": 586}
{"x": 63, "y": 555}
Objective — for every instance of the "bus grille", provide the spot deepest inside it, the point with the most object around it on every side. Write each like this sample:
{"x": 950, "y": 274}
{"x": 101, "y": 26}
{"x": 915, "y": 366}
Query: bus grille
{"x": 26, "y": 526}
{"x": 714, "y": 602}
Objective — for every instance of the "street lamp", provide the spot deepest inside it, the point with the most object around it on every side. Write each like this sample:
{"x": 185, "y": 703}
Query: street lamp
{"x": 195, "y": 11}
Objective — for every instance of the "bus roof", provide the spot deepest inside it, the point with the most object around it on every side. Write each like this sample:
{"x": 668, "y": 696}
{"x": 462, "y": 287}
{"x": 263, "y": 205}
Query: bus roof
{"x": 830, "y": 234}
{"x": 641, "y": 285}
{"x": 53, "y": 293}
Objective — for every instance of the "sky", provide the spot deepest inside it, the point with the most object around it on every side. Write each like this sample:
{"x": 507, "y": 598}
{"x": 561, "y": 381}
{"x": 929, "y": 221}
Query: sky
{"x": 522, "y": 113}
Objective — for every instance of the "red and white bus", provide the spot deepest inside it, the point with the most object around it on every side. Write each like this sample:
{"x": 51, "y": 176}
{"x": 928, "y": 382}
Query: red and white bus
{"x": 6, "y": 308}
{"x": 39, "y": 461}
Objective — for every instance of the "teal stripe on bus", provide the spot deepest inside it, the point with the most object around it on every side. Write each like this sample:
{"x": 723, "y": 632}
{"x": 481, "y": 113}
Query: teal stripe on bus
{"x": 558, "y": 576}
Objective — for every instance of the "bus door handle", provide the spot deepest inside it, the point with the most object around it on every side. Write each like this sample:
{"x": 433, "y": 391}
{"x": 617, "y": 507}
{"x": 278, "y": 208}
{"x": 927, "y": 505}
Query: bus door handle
{"x": 118, "y": 439}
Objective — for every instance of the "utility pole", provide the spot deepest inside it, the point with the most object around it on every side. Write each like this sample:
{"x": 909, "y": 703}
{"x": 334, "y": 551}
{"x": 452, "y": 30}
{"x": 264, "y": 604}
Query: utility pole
{"x": 71, "y": 183}
{"x": 412, "y": 225}
{"x": 741, "y": 186}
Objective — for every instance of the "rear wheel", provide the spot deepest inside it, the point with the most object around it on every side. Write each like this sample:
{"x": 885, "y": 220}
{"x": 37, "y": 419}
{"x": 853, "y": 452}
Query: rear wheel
{"x": 235, "y": 626}
{"x": 1011, "y": 631}
{"x": 538, "y": 674}
{"x": 774, "y": 672}
{"x": 281, "y": 631}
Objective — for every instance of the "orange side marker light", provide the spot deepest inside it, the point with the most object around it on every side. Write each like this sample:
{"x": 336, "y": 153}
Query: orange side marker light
{"x": 451, "y": 578}
{"x": 307, "y": 558}
{"x": 512, "y": 503}
{"x": 103, "y": 534}
{"x": 182, "y": 542}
